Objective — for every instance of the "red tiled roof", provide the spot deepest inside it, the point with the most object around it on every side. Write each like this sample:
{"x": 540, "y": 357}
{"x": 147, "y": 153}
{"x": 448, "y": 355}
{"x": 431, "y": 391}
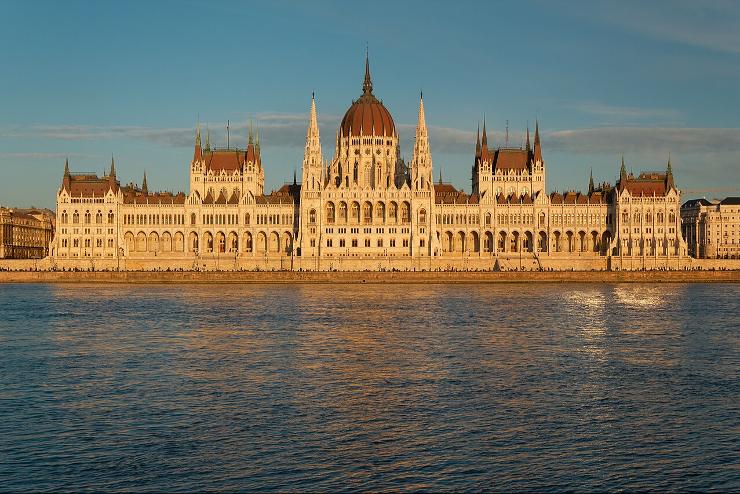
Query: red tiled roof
{"x": 511, "y": 159}
{"x": 89, "y": 185}
{"x": 226, "y": 159}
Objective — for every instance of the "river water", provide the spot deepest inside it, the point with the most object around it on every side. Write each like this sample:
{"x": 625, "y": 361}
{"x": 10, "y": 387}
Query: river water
{"x": 370, "y": 387}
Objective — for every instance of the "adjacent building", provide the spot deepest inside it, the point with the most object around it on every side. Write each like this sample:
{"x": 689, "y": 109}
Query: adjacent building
{"x": 712, "y": 228}
{"x": 367, "y": 208}
{"x": 25, "y": 233}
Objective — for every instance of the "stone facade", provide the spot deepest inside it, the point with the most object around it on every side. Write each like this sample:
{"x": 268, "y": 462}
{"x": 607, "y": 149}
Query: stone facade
{"x": 25, "y": 233}
{"x": 368, "y": 209}
{"x": 712, "y": 228}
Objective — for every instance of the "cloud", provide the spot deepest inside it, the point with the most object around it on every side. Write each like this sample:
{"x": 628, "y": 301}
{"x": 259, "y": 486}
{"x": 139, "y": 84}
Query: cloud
{"x": 632, "y": 112}
{"x": 283, "y": 129}
{"x": 616, "y": 140}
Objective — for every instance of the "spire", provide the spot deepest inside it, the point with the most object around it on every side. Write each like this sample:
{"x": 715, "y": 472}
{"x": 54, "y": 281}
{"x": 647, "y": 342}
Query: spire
{"x": 422, "y": 158}
{"x": 208, "y": 139}
{"x": 669, "y": 175}
{"x": 251, "y": 136}
{"x": 537, "y": 144}
{"x": 112, "y": 167}
{"x": 422, "y": 123}
{"x": 295, "y": 177}
{"x": 144, "y": 187}
{"x": 440, "y": 176}
{"x": 257, "y": 138}
{"x": 367, "y": 85}
{"x": 312, "y": 157}
{"x": 591, "y": 182}
{"x": 198, "y": 152}
{"x": 527, "y": 146}
{"x": 313, "y": 127}
{"x": 622, "y": 171}
{"x": 484, "y": 142}
{"x": 66, "y": 167}
{"x": 477, "y": 142}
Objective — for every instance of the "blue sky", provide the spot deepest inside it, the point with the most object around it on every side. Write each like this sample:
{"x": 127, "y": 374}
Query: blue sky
{"x": 91, "y": 79}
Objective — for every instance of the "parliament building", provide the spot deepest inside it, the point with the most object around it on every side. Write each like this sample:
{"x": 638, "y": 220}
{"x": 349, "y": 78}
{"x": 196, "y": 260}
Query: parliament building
{"x": 368, "y": 209}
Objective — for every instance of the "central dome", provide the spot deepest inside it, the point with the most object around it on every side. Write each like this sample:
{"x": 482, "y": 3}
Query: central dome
{"x": 367, "y": 116}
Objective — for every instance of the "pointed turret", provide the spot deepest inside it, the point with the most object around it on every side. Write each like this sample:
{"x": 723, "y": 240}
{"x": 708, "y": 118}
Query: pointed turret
{"x": 477, "y": 142}
{"x": 198, "y": 151}
{"x": 144, "y": 187}
{"x": 537, "y": 144}
{"x": 484, "y": 142}
{"x": 66, "y": 167}
{"x": 669, "y": 184}
{"x": 312, "y": 158}
{"x": 527, "y": 146}
{"x": 421, "y": 163}
{"x": 591, "y": 187}
{"x": 112, "y": 167}
{"x": 208, "y": 139}
{"x": 367, "y": 85}
{"x": 622, "y": 170}
{"x": 250, "y": 140}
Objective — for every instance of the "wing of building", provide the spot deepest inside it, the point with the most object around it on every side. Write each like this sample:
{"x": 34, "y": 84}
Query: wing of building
{"x": 368, "y": 209}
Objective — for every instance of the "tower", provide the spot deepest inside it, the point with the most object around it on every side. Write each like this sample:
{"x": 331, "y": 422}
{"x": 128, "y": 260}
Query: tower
{"x": 483, "y": 166}
{"x": 421, "y": 164}
{"x": 311, "y": 217}
{"x": 312, "y": 158}
{"x": 537, "y": 167}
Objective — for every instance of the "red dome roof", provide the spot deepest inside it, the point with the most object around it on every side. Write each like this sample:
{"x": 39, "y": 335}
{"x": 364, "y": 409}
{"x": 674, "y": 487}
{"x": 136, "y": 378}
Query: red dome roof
{"x": 367, "y": 115}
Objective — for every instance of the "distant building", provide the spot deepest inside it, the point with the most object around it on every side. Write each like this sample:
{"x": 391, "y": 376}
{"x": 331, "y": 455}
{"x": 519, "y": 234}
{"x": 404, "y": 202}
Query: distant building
{"x": 368, "y": 208}
{"x": 25, "y": 233}
{"x": 712, "y": 228}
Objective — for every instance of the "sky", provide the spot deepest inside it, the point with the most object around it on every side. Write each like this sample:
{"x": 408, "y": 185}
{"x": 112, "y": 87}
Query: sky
{"x": 87, "y": 80}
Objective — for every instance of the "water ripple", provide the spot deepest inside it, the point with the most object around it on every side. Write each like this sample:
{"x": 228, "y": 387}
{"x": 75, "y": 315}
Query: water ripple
{"x": 381, "y": 388}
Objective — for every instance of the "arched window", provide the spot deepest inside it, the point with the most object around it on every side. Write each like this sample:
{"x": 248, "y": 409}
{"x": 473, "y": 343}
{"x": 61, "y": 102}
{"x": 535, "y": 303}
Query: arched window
{"x": 246, "y": 219}
{"x": 354, "y": 174}
{"x": 330, "y": 212}
{"x": 422, "y": 216}
{"x": 488, "y": 219}
{"x": 648, "y": 217}
{"x": 312, "y": 216}
{"x": 64, "y": 217}
{"x": 87, "y": 217}
{"x": 636, "y": 218}
{"x": 671, "y": 217}
{"x": 343, "y": 211}
{"x": 99, "y": 217}
{"x": 405, "y": 216}
{"x": 110, "y": 217}
{"x": 192, "y": 218}
{"x": 367, "y": 213}
{"x": 380, "y": 211}
{"x": 393, "y": 212}
{"x": 355, "y": 212}
{"x": 660, "y": 217}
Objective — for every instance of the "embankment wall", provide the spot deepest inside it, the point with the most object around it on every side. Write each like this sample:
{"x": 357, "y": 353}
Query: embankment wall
{"x": 180, "y": 277}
